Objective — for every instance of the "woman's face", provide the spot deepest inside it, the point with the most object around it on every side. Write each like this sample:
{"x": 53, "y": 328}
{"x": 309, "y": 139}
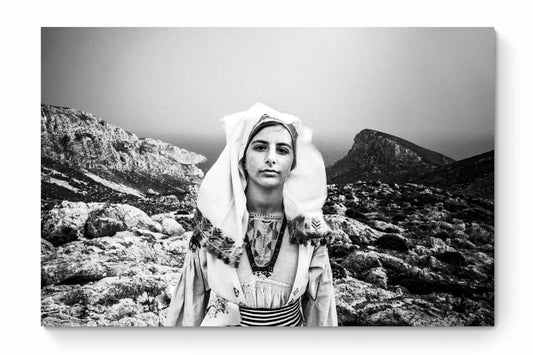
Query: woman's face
{"x": 269, "y": 157}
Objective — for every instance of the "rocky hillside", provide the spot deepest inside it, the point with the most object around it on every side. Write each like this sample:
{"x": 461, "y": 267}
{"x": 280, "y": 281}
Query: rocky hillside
{"x": 379, "y": 156}
{"x": 473, "y": 176}
{"x": 87, "y": 159}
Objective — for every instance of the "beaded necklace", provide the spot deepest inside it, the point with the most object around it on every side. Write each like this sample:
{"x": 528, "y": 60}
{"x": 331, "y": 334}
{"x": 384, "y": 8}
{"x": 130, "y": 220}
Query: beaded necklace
{"x": 268, "y": 268}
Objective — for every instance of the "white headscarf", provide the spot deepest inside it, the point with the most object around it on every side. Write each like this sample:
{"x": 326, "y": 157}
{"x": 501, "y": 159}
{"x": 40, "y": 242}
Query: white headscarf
{"x": 222, "y": 199}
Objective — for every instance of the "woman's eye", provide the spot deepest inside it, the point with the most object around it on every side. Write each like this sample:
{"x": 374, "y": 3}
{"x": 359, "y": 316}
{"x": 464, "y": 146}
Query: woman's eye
{"x": 283, "y": 150}
{"x": 260, "y": 148}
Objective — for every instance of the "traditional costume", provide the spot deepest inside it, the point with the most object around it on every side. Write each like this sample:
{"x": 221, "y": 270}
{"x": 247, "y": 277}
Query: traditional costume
{"x": 246, "y": 269}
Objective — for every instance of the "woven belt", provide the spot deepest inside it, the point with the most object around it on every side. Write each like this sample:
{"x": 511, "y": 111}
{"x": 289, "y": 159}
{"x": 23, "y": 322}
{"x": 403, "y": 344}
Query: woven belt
{"x": 288, "y": 316}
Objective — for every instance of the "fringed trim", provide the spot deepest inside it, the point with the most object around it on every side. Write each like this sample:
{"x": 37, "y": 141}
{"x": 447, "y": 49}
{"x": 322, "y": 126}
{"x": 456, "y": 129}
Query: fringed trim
{"x": 202, "y": 230}
{"x": 213, "y": 240}
{"x": 230, "y": 257}
{"x": 310, "y": 229}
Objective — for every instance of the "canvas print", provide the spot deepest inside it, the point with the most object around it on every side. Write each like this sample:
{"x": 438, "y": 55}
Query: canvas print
{"x": 314, "y": 177}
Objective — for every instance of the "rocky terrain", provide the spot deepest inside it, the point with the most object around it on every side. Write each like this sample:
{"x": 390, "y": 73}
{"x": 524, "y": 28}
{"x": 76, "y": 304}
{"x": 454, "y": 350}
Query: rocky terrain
{"x": 411, "y": 255}
{"x": 108, "y": 264}
{"x": 402, "y": 255}
{"x": 113, "y": 241}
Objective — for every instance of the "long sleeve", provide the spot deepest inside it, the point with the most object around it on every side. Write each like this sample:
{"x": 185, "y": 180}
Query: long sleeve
{"x": 319, "y": 301}
{"x": 191, "y": 295}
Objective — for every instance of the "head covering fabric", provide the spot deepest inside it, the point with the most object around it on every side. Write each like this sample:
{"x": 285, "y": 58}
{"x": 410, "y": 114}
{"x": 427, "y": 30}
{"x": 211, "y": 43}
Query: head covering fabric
{"x": 222, "y": 199}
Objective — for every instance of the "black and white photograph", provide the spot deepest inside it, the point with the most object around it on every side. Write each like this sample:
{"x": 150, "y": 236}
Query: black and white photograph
{"x": 267, "y": 176}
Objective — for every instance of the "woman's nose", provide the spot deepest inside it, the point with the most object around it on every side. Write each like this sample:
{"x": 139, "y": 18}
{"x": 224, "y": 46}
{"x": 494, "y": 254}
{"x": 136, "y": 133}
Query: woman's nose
{"x": 270, "y": 157}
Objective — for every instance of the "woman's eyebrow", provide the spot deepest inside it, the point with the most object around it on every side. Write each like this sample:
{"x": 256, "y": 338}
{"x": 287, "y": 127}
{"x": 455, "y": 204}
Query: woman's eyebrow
{"x": 260, "y": 141}
{"x": 266, "y": 142}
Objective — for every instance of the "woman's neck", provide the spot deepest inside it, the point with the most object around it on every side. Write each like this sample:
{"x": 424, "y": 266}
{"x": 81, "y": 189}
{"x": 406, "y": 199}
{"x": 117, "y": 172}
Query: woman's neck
{"x": 264, "y": 201}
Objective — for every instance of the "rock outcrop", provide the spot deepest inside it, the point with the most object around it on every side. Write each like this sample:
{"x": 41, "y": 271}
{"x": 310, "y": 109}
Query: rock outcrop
{"x": 84, "y": 141}
{"x": 380, "y": 156}
{"x": 85, "y": 159}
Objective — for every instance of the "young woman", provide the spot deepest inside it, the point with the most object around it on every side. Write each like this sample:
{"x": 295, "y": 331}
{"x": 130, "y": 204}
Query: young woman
{"x": 258, "y": 256}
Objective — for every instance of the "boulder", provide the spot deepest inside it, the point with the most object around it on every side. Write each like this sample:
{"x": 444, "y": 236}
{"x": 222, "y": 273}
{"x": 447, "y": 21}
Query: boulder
{"x": 151, "y": 192}
{"x": 385, "y": 227}
{"x": 452, "y": 257}
{"x": 361, "y": 261}
{"x": 421, "y": 250}
{"x": 158, "y": 218}
{"x": 480, "y": 234}
{"x": 66, "y": 222}
{"x": 47, "y": 249}
{"x": 462, "y": 243}
{"x": 359, "y": 233}
{"x": 171, "y": 227}
{"x": 341, "y": 238}
{"x": 338, "y": 271}
{"x": 392, "y": 242}
{"x": 115, "y": 218}
{"x": 438, "y": 246}
{"x": 339, "y": 208}
{"x": 339, "y": 251}
{"x": 377, "y": 276}
{"x": 477, "y": 214}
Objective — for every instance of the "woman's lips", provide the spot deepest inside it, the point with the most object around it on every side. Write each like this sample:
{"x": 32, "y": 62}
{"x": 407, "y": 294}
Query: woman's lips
{"x": 269, "y": 172}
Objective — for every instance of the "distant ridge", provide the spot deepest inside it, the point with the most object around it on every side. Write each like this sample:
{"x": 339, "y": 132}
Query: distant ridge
{"x": 470, "y": 176}
{"x": 380, "y": 156}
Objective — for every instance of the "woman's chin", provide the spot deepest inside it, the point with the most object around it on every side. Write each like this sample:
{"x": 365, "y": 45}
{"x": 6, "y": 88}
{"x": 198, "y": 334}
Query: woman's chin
{"x": 270, "y": 183}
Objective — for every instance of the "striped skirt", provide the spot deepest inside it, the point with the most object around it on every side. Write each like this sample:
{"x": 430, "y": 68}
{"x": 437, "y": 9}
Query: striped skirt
{"x": 288, "y": 316}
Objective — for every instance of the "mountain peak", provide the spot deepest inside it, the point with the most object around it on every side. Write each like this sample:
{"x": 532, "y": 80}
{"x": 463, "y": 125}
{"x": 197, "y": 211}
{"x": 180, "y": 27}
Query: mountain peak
{"x": 376, "y": 155}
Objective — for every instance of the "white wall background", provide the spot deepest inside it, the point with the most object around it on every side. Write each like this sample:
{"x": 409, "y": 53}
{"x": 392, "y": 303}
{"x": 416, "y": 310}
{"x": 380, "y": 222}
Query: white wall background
{"x": 20, "y": 178}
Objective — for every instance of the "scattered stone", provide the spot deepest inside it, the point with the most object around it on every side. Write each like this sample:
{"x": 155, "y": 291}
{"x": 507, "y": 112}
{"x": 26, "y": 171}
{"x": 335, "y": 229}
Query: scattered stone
{"x": 360, "y": 261}
{"x": 377, "y": 276}
{"x": 151, "y": 192}
{"x": 452, "y": 257}
{"x": 392, "y": 242}
{"x": 47, "y": 249}
{"x": 358, "y": 232}
{"x": 171, "y": 227}
{"x": 385, "y": 227}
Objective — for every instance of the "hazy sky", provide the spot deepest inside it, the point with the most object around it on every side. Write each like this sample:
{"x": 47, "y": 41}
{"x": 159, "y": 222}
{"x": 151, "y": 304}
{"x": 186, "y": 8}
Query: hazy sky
{"x": 432, "y": 86}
